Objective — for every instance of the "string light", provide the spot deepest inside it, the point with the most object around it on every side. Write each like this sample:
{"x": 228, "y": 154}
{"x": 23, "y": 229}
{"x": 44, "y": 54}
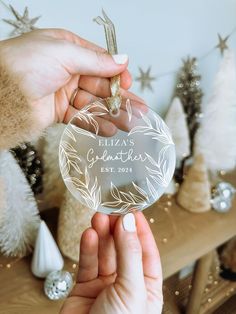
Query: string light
{"x": 221, "y": 45}
{"x": 164, "y": 240}
{"x": 9, "y": 264}
{"x": 74, "y": 266}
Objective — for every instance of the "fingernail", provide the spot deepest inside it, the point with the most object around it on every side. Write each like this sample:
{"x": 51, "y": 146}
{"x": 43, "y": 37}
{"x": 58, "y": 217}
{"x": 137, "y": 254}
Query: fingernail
{"x": 120, "y": 59}
{"x": 129, "y": 222}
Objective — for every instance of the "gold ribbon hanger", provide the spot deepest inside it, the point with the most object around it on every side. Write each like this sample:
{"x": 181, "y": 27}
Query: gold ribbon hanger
{"x": 113, "y": 102}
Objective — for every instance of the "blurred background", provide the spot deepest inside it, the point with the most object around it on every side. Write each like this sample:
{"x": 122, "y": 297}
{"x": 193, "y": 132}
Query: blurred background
{"x": 182, "y": 59}
{"x": 154, "y": 33}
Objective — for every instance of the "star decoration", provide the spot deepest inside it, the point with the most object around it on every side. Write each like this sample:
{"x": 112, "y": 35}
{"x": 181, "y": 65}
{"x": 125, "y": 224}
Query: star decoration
{"x": 22, "y": 24}
{"x": 145, "y": 79}
{"x": 222, "y": 45}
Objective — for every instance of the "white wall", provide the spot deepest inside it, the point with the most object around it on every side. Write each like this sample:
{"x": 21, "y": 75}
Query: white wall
{"x": 152, "y": 32}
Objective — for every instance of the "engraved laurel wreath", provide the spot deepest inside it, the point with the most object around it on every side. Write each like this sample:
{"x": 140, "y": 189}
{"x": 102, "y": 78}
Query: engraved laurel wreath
{"x": 89, "y": 189}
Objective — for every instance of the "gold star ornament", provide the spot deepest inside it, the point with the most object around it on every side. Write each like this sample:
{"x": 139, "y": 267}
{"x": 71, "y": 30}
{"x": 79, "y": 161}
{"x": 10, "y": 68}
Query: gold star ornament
{"x": 145, "y": 79}
{"x": 222, "y": 45}
{"x": 22, "y": 23}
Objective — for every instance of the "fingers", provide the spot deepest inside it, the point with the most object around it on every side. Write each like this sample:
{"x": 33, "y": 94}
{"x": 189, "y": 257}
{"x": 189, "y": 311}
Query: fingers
{"x": 151, "y": 260}
{"x": 86, "y": 58}
{"x": 88, "y": 262}
{"x": 106, "y": 248}
{"x": 92, "y": 289}
{"x": 150, "y": 253}
{"x": 83, "y": 98}
{"x": 77, "y": 59}
{"x": 106, "y": 128}
{"x": 129, "y": 253}
{"x": 58, "y": 33}
{"x": 100, "y": 87}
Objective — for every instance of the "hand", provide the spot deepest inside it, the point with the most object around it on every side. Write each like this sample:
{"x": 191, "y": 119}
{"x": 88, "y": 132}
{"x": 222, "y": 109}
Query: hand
{"x": 51, "y": 64}
{"x": 119, "y": 269}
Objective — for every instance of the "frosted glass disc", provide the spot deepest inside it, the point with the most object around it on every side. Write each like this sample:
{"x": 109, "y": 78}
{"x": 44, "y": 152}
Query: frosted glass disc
{"x": 117, "y": 164}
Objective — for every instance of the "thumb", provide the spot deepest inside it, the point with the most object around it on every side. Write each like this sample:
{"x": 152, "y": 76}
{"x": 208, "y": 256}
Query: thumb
{"x": 84, "y": 61}
{"x": 129, "y": 253}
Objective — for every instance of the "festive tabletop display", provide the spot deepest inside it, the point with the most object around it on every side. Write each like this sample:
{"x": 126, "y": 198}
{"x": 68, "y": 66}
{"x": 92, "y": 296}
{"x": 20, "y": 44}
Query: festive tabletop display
{"x": 204, "y": 135}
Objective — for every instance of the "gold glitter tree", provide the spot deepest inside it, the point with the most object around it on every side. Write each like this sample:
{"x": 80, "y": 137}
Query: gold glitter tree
{"x": 189, "y": 91}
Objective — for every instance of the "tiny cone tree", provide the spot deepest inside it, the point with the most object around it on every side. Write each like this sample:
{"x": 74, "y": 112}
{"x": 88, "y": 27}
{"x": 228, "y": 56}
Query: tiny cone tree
{"x": 46, "y": 256}
{"x": 195, "y": 192}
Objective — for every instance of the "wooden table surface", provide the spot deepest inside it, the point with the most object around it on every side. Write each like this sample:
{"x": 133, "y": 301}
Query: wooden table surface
{"x": 182, "y": 237}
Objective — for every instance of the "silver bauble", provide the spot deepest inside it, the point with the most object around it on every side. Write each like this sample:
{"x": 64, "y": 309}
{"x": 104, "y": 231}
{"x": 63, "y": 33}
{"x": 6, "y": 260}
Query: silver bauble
{"x": 58, "y": 285}
{"x": 222, "y": 196}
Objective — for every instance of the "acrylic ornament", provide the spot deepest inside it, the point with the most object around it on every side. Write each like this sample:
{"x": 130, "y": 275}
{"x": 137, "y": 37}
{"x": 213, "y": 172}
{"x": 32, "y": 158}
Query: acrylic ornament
{"x": 116, "y": 155}
{"x": 129, "y": 170}
{"x": 46, "y": 257}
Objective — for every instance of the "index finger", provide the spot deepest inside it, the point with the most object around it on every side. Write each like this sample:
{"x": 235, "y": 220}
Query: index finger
{"x": 150, "y": 254}
{"x": 58, "y": 33}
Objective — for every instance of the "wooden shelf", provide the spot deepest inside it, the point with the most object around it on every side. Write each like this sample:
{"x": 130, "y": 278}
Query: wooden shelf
{"x": 215, "y": 294}
{"x": 182, "y": 238}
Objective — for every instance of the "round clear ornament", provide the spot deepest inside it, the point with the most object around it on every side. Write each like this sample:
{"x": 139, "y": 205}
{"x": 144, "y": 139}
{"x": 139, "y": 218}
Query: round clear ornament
{"x": 117, "y": 163}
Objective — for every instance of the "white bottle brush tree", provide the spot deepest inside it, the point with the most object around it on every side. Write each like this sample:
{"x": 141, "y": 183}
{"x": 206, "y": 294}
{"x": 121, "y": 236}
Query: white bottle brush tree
{"x": 216, "y": 137}
{"x": 176, "y": 121}
{"x": 19, "y": 219}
